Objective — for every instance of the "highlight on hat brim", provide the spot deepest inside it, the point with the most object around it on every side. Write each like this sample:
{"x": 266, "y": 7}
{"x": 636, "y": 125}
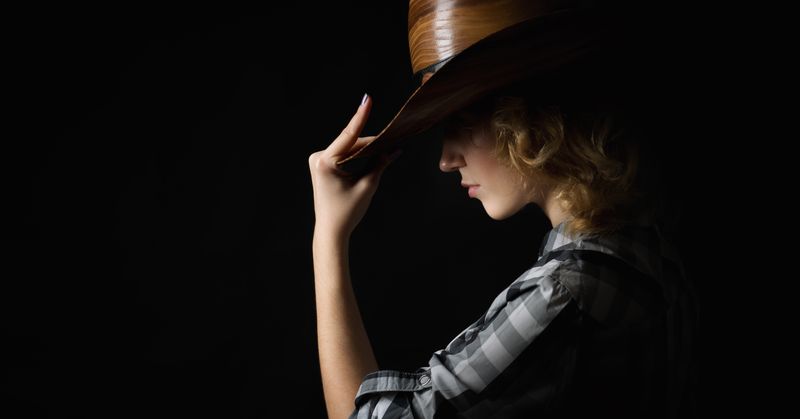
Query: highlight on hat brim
{"x": 539, "y": 46}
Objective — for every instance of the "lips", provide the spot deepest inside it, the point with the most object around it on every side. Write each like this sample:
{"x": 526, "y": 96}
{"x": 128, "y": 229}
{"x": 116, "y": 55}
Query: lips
{"x": 472, "y": 188}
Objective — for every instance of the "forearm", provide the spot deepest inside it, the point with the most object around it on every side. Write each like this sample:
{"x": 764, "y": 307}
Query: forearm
{"x": 345, "y": 354}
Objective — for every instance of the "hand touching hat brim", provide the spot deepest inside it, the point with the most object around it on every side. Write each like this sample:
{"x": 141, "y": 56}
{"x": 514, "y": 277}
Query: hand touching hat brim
{"x": 529, "y": 50}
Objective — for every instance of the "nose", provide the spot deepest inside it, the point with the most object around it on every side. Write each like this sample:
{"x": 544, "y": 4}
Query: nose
{"x": 451, "y": 158}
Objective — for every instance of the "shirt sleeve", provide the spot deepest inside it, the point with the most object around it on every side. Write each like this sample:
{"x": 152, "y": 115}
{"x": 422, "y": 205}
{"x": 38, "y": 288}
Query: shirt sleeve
{"x": 459, "y": 377}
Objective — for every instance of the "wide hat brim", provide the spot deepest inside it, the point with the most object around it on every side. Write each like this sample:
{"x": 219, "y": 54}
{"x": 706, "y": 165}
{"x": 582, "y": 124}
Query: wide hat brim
{"x": 561, "y": 53}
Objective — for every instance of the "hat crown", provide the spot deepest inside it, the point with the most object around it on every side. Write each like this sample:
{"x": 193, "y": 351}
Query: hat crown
{"x": 441, "y": 29}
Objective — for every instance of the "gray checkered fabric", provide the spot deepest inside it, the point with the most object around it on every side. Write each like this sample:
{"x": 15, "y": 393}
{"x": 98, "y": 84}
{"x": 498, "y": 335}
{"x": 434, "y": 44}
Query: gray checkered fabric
{"x": 599, "y": 325}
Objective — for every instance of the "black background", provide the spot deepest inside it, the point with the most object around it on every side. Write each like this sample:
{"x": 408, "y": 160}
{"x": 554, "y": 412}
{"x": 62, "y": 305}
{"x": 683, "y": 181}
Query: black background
{"x": 159, "y": 211}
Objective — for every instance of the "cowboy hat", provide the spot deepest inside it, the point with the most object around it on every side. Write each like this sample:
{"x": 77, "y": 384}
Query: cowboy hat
{"x": 463, "y": 50}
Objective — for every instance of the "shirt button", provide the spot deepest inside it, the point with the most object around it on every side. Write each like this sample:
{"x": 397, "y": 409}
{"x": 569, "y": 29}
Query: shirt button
{"x": 424, "y": 379}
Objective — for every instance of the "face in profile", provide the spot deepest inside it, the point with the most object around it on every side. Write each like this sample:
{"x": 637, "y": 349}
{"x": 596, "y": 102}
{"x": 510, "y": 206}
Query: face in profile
{"x": 467, "y": 148}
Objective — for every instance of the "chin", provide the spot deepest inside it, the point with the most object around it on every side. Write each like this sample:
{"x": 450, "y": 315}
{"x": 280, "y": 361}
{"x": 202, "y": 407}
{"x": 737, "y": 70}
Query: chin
{"x": 499, "y": 213}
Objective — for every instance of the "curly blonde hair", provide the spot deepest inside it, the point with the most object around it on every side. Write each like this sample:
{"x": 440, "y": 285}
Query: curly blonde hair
{"x": 583, "y": 150}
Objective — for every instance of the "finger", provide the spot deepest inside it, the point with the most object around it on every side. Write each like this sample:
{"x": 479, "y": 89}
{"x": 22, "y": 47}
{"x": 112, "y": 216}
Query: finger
{"x": 329, "y": 162}
{"x": 361, "y": 143}
{"x": 344, "y": 142}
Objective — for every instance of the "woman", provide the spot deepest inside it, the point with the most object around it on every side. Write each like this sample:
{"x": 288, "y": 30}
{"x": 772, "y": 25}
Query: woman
{"x": 602, "y": 322}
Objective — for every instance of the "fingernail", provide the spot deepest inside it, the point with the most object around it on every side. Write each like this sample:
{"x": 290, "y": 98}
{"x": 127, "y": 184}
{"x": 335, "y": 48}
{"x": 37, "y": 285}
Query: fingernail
{"x": 363, "y": 100}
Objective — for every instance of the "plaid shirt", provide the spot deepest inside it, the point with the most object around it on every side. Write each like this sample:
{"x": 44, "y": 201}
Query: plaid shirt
{"x": 600, "y": 325}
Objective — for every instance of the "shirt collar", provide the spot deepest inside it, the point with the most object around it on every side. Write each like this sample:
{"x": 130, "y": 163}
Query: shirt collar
{"x": 639, "y": 243}
{"x": 555, "y": 237}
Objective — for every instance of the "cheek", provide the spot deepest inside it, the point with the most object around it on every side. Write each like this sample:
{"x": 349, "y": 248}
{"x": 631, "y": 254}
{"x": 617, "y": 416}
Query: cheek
{"x": 483, "y": 138}
{"x": 480, "y": 152}
{"x": 486, "y": 167}
{"x": 500, "y": 179}
{"x": 489, "y": 171}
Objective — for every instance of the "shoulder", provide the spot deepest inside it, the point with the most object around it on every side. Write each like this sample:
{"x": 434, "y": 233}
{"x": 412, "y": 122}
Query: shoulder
{"x": 613, "y": 279}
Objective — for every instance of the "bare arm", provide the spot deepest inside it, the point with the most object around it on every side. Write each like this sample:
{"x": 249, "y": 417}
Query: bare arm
{"x": 340, "y": 201}
{"x": 345, "y": 354}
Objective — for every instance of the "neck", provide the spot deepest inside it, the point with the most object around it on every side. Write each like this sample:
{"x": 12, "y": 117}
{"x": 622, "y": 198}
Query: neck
{"x": 555, "y": 212}
{"x": 551, "y": 206}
